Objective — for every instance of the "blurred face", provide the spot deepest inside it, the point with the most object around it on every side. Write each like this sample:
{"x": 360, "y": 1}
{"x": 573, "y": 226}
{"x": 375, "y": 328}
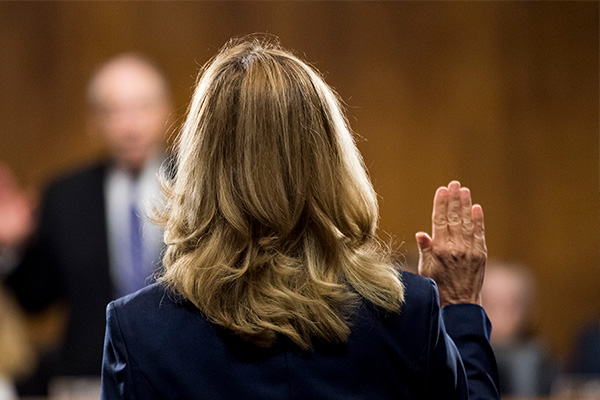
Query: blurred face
{"x": 130, "y": 110}
{"x": 506, "y": 304}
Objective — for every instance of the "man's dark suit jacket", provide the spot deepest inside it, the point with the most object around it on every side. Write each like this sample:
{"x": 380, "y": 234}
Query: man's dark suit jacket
{"x": 587, "y": 350}
{"x": 158, "y": 348}
{"x": 69, "y": 262}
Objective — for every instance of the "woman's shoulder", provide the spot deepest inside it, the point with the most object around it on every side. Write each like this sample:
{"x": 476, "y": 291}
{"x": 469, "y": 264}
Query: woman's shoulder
{"x": 150, "y": 306}
{"x": 151, "y": 295}
{"x": 420, "y": 304}
{"x": 418, "y": 288}
{"x": 155, "y": 309}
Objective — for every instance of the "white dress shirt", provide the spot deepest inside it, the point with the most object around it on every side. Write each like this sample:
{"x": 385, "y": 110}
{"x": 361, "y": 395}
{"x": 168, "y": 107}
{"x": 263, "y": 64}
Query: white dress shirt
{"x": 118, "y": 189}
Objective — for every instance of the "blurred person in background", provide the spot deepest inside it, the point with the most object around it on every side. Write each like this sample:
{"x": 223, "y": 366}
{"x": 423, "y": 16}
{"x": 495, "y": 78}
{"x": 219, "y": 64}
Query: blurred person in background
{"x": 523, "y": 363}
{"x": 92, "y": 242}
{"x": 582, "y": 380}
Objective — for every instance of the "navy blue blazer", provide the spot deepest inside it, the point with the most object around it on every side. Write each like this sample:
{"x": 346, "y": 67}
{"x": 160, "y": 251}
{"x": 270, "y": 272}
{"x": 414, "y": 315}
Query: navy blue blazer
{"x": 157, "y": 348}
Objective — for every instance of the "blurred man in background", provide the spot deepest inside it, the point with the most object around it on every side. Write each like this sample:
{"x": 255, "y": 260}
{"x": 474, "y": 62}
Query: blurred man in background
{"x": 93, "y": 242}
{"x": 508, "y": 296}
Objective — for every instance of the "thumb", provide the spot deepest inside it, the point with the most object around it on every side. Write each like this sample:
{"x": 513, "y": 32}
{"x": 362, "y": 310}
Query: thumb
{"x": 423, "y": 241}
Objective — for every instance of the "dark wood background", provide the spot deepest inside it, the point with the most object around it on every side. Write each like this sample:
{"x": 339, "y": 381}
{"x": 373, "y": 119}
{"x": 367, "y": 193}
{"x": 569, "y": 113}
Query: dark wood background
{"x": 500, "y": 95}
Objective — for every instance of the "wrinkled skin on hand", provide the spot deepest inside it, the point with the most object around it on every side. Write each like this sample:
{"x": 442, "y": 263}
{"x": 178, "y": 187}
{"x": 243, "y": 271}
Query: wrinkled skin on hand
{"x": 455, "y": 255}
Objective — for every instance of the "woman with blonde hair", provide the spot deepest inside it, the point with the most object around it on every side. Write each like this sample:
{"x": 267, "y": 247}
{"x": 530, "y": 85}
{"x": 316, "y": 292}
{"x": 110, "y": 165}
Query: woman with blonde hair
{"x": 275, "y": 285}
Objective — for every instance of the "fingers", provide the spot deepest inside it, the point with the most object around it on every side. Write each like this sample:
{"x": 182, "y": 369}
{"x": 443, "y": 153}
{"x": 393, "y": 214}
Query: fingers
{"x": 424, "y": 245}
{"x": 454, "y": 217}
{"x": 454, "y": 210}
{"x": 7, "y": 180}
{"x": 466, "y": 213}
{"x": 423, "y": 241}
{"x": 440, "y": 211}
{"x": 479, "y": 229}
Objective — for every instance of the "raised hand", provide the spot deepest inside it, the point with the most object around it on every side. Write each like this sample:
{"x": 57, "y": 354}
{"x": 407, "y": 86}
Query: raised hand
{"x": 16, "y": 212}
{"x": 455, "y": 255}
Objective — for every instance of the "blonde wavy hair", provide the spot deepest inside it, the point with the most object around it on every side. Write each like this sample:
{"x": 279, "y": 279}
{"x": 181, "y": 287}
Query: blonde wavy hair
{"x": 270, "y": 221}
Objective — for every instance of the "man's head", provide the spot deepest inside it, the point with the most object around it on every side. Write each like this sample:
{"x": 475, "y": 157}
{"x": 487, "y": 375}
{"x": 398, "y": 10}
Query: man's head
{"x": 508, "y": 298}
{"x": 130, "y": 105}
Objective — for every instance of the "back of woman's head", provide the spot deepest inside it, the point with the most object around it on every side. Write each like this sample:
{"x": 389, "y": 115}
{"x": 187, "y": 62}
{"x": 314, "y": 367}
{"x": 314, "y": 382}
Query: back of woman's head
{"x": 270, "y": 222}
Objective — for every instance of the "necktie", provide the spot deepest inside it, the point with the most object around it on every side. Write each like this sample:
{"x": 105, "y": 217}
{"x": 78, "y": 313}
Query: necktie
{"x": 136, "y": 270}
{"x": 139, "y": 272}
